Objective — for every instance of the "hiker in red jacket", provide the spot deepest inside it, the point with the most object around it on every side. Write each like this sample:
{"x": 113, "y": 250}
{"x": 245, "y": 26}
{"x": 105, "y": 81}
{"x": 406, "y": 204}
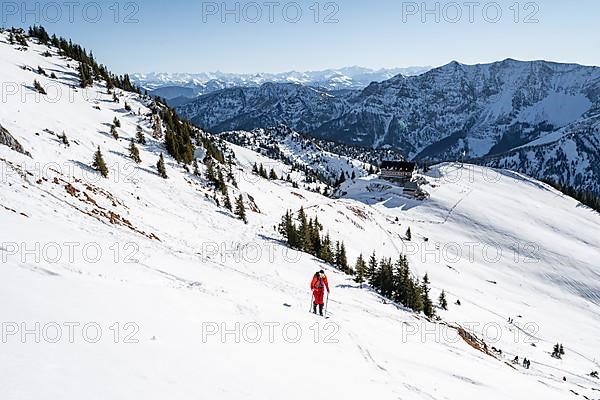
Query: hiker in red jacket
{"x": 318, "y": 285}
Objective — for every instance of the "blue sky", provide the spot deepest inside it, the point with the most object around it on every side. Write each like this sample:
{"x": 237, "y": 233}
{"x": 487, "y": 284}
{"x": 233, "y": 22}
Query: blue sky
{"x": 194, "y": 36}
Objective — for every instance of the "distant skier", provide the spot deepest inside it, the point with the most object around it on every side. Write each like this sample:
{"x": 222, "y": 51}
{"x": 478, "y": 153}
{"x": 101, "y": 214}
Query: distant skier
{"x": 318, "y": 285}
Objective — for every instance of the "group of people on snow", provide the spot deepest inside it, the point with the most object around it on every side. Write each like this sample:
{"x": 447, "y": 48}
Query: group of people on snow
{"x": 526, "y": 362}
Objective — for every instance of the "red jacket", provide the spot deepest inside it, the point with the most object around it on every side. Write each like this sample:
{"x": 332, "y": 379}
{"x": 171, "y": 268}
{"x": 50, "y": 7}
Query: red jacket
{"x": 319, "y": 283}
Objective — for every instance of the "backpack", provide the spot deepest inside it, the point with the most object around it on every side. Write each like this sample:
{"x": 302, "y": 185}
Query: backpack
{"x": 319, "y": 284}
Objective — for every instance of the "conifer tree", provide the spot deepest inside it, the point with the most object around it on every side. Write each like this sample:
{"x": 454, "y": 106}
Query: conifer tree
{"x": 427, "y": 304}
{"x": 227, "y": 202}
{"x": 40, "y": 89}
{"x": 415, "y": 295}
{"x": 134, "y": 153}
{"x": 113, "y": 132}
{"x": 326, "y": 253}
{"x": 139, "y": 135}
{"x": 303, "y": 229}
{"x": 341, "y": 179}
{"x": 85, "y": 75}
{"x": 288, "y": 230}
{"x": 340, "y": 257}
{"x": 372, "y": 270}
{"x": 400, "y": 279}
{"x": 315, "y": 236}
{"x": 408, "y": 234}
{"x": 99, "y": 164}
{"x": 262, "y": 172}
{"x": 161, "y": 168}
{"x": 273, "y": 175}
{"x": 384, "y": 281}
{"x": 116, "y": 122}
{"x": 221, "y": 185}
{"x": 64, "y": 139}
{"x": 240, "y": 209}
{"x": 556, "y": 351}
{"x": 361, "y": 270}
{"x": 196, "y": 169}
{"x": 210, "y": 169}
{"x": 442, "y": 301}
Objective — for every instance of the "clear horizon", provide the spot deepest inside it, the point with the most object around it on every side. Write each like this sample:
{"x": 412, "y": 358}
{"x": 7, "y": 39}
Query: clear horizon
{"x": 275, "y": 37}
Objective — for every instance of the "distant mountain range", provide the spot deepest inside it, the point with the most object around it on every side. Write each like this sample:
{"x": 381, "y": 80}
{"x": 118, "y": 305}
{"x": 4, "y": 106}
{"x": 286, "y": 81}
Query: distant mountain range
{"x": 450, "y": 112}
{"x": 182, "y": 86}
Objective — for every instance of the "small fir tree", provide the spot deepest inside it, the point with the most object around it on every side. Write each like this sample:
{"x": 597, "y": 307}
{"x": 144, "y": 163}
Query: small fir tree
{"x": 139, "y": 135}
{"x": 38, "y": 86}
{"x": 134, "y": 153}
{"x": 99, "y": 164}
{"x": 161, "y": 168}
{"x": 442, "y": 301}
{"x": 361, "y": 270}
{"x": 240, "y": 209}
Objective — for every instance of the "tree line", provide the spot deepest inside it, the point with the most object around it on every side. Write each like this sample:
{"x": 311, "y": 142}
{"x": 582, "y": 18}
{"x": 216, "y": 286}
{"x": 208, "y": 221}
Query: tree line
{"x": 587, "y": 198}
{"x": 89, "y": 68}
{"x": 392, "y": 279}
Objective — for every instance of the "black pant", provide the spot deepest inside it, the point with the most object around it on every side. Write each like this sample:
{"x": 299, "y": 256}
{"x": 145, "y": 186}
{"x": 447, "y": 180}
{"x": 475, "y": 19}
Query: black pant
{"x": 320, "y": 308}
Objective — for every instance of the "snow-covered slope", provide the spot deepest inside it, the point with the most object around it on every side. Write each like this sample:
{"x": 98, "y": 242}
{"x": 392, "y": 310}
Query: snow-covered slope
{"x": 326, "y": 161}
{"x": 180, "y": 290}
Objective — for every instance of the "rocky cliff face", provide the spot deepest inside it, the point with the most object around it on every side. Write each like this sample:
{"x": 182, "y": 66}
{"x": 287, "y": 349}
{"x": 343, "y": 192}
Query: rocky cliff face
{"x": 6, "y": 139}
{"x": 476, "y": 109}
